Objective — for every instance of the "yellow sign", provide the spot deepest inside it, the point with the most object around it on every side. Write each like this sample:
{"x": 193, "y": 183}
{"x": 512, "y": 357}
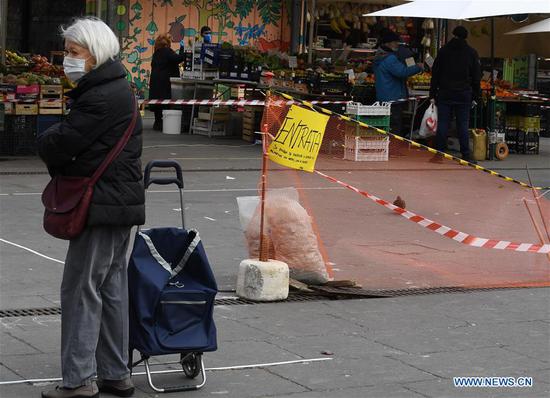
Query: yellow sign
{"x": 299, "y": 139}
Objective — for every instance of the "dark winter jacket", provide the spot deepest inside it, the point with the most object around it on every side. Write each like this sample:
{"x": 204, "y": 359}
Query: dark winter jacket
{"x": 164, "y": 66}
{"x": 456, "y": 71}
{"x": 99, "y": 116}
{"x": 391, "y": 75}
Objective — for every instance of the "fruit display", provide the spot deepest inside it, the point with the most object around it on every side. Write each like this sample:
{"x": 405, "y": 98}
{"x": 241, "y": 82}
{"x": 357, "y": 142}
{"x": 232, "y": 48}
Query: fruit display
{"x": 44, "y": 67}
{"x": 28, "y": 79}
{"x": 13, "y": 59}
{"x": 420, "y": 80}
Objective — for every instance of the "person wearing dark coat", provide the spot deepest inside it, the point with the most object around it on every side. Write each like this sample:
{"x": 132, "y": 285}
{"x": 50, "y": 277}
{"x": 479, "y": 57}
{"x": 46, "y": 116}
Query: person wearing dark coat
{"x": 456, "y": 76}
{"x": 165, "y": 64}
{"x": 94, "y": 290}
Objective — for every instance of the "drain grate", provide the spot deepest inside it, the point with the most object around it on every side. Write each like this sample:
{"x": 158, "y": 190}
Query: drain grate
{"x": 30, "y": 312}
{"x": 343, "y": 293}
{"x": 24, "y": 312}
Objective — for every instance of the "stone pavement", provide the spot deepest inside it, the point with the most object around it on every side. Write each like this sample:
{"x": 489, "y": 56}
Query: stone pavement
{"x": 382, "y": 348}
{"x": 410, "y": 346}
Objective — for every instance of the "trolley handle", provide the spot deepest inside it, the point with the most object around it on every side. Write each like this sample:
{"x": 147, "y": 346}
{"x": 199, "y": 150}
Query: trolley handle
{"x": 148, "y": 180}
{"x": 178, "y": 180}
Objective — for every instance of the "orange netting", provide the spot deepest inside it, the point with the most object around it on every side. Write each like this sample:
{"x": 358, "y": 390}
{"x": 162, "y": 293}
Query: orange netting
{"x": 327, "y": 230}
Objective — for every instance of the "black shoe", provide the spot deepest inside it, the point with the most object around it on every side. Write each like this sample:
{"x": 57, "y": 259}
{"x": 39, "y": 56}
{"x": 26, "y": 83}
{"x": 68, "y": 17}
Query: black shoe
{"x": 120, "y": 388}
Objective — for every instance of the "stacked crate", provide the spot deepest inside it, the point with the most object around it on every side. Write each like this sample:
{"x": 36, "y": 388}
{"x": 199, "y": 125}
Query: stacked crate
{"x": 523, "y": 128}
{"x": 51, "y": 100}
{"x": 367, "y": 144}
{"x": 252, "y": 118}
{"x": 211, "y": 121}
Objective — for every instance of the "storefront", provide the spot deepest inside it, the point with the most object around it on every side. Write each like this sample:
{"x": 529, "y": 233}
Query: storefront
{"x": 250, "y": 55}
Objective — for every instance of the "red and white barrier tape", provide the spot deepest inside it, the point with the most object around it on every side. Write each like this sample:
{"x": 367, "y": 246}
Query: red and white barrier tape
{"x": 228, "y": 102}
{"x": 414, "y": 98}
{"x": 448, "y": 232}
{"x": 536, "y": 97}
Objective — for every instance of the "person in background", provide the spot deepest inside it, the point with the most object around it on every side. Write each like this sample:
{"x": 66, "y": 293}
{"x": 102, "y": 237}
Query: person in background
{"x": 391, "y": 77}
{"x": 94, "y": 290}
{"x": 206, "y": 34}
{"x": 456, "y": 76}
{"x": 165, "y": 64}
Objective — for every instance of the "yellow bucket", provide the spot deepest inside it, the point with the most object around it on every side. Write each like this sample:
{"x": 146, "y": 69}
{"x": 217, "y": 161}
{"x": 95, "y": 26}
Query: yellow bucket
{"x": 479, "y": 150}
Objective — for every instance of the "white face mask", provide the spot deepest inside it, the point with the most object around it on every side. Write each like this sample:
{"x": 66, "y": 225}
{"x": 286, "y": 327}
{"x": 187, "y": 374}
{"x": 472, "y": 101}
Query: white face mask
{"x": 74, "y": 68}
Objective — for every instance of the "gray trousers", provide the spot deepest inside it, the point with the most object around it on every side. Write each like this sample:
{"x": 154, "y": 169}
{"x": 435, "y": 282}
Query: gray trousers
{"x": 94, "y": 307}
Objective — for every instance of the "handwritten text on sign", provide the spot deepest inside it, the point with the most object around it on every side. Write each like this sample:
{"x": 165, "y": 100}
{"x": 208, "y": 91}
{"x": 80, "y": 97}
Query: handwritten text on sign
{"x": 299, "y": 139}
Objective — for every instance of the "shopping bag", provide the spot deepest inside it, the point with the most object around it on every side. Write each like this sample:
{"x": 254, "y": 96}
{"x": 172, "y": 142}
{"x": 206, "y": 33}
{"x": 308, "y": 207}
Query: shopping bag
{"x": 428, "y": 127}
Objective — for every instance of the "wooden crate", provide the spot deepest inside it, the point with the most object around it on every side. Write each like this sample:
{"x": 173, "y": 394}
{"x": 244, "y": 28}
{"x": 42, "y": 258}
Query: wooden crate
{"x": 49, "y": 91}
{"x": 50, "y": 111}
{"x": 26, "y": 109}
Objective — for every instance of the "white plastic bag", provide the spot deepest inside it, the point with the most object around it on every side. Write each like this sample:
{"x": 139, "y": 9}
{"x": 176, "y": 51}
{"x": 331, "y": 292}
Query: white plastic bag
{"x": 428, "y": 127}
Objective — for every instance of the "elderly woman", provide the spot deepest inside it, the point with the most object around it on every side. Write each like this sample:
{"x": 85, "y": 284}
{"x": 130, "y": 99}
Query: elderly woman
{"x": 163, "y": 66}
{"x": 94, "y": 290}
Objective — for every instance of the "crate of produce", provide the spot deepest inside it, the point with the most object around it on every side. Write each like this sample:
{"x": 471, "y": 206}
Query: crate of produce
{"x": 376, "y": 109}
{"x": 382, "y": 122}
{"x": 19, "y": 136}
{"x": 333, "y": 86}
{"x": 26, "y": 109}
{"x": 530, "y": 124}
{"x": 366, "y": 149}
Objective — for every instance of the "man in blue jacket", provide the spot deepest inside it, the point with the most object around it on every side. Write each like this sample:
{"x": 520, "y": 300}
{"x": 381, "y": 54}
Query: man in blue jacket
{"x": 391, "y": 77}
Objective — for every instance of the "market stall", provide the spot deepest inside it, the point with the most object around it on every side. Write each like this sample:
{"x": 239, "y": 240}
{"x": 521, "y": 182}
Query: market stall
{"x": 31, "y": 99}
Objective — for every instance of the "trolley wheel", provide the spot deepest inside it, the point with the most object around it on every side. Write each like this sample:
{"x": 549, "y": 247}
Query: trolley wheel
{"x": 191, "y": 364}
{"x": 501, "y": 151}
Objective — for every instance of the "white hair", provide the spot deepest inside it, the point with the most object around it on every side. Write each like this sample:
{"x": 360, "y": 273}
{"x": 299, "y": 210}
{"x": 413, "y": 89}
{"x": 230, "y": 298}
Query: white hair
{"x": 94, "y": 35}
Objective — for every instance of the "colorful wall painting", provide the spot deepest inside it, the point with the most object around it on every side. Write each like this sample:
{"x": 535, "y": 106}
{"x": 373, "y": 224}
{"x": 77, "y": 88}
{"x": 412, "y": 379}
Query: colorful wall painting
{"x": 261, "y": 23}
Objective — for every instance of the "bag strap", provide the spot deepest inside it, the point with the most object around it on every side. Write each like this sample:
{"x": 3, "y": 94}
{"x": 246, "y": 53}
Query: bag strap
{"x": 164, "y": 264}
{"x": 115, "y": 151}
{"x": 190, "y": 249}
{"x": 154, "y": 252}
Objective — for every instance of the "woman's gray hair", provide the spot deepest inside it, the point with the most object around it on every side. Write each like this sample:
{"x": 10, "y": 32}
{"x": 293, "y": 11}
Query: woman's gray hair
{"x": 94, "y": 35}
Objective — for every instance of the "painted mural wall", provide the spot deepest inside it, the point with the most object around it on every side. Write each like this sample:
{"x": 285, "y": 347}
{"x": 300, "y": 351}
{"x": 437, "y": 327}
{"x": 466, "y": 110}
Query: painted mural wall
{"x": 260, "y": 23}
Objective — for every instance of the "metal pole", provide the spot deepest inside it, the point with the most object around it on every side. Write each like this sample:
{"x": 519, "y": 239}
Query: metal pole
{"x": 3, "y": 29}
{"x": 295, "y": 30}
{"x": 302, "y": 40}
{"x": 311, "y": 32}
{"x": 492, "y": 98}
{"x": 264, "y": 240}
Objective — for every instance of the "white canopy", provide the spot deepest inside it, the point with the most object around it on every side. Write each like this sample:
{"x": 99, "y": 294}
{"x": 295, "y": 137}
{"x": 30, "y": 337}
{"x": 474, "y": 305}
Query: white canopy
{"x": 537, "y": 27}
{"x": 464, "y": 9}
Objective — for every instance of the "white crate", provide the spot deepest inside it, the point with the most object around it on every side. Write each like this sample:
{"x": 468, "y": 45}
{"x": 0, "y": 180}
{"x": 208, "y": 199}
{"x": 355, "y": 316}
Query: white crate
{"x": 200, "y": 75}
{"x": 365, "y": 149}
{"x": 376, "y": 109}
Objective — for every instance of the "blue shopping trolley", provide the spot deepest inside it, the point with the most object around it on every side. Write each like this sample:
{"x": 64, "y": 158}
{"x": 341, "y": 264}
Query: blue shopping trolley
{"x": 171, "y": 293}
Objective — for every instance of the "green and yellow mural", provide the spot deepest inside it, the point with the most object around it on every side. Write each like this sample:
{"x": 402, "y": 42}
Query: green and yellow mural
{"x": 260, "y": 23}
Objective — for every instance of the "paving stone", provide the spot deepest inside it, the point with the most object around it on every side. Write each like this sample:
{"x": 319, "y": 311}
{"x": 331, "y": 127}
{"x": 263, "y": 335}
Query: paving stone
{"x": 346, "y": 373}
{"x": 475, "y": 362}
{"x": 444, "y": 388}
